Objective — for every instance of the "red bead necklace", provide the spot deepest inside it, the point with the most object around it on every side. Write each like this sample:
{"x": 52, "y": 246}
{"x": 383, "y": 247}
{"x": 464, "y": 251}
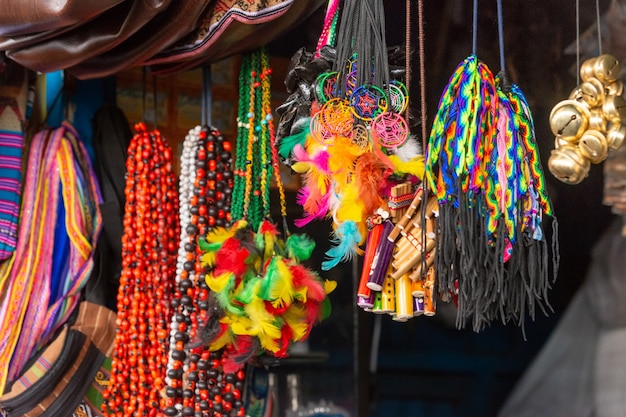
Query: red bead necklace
{"x": 196, "y": 384}
{"x": 151, "y": 233}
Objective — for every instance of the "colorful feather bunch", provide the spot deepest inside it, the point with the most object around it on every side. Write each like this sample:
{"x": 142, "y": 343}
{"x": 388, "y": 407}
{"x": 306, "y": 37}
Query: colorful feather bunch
{"x": 265, "y": 299}
{"x": 483, "y": 166}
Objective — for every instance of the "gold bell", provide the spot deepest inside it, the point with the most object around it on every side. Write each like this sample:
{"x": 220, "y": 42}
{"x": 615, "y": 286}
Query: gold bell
{"x": 614, "y": 109}
{"x": 558, "y": 142}
{"x": 615, "y": 135}
{"x": 586, "y": 69}
{"x": 615, "y": 88}
{"x": 569, "y": 119}
{"x": 568, "y": 165}
{"x": 606, "y": 68}
{"x": 592, "y": 92}
{"x": 593, "y": 145}
{"x": 597, "y": 121}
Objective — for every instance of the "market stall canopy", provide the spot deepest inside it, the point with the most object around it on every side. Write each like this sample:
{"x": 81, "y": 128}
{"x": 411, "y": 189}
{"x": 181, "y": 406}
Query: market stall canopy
{"x": 92, "y": 39}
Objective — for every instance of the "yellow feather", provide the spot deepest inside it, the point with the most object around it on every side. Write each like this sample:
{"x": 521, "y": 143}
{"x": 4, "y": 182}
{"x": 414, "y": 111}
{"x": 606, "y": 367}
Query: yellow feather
{"x": 313, "y": 175}
{"x": 351, "y": 208}
{"x": 218, "y": 283}
{"x": 300, "y": 294}
{"x": 263, "y": 324}
{"x": 281, "y": 291}
{"x": 243, "y": 326}
{"x": 343, "y": 155}
{"x": 329, "y": 286}
{"x": 413, "y": 166}
{"x": 208, "y": 259}
{"x": 295, "y": 317}
{"x": 223, "y": 340}
{"x": 220, "y": 234}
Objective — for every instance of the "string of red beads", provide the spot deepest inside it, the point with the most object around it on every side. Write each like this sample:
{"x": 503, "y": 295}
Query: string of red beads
{"x": 196, "y": 384}
{"x": 150, "y": 242}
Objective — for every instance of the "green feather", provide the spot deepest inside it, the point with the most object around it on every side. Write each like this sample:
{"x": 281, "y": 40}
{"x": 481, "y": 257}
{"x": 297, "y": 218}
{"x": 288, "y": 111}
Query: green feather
{"x": 204, "y": 245}
{"x": 224, "y": 298}
{"x": 249, "y": 290}
{"x": 287, "y": 143}
{"x": 300, "y": 247}
{"x": 325, "y": 309}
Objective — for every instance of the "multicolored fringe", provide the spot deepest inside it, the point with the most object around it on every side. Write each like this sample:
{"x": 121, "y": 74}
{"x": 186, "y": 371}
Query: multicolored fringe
{"x": 483, "y": 166}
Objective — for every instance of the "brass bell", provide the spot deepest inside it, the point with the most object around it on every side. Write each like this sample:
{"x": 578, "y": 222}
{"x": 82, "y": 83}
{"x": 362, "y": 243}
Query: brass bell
{"x": 615, "y": 135}
{"x": 614, "y": 109}
{"x": 615, "y": 88}
{"x": 559, "y": 142}
{"x": 592, "y": 92}
{"x": 586, "y": 69}
{"x": 606, "y": 68}
{"x": 568, "y": 165}
{"x": 597, "y": 121}
{"x": 594, "y": 146}
{"x": 569, "y": 119}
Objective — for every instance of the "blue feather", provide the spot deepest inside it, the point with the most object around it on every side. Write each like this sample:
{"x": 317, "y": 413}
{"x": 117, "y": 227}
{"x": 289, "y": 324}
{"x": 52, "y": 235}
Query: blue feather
{"x": 346, "y": 239}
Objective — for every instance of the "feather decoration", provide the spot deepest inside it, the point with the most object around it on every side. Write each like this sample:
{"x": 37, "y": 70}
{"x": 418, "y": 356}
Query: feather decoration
{"x": 232, "y": 258}
{"x": 314, "y": 203}
{"x": 318, "y": 159}
{"x": 219, "y": 235}
{"x": 306, "y": 284}
{"x": 296, "y": 318}
{"x": 224, "y": 297}
{"x": 281, "y": 284}
{"x": 225, "y": 336}
{"x": 208, "y": 259}
{"x": 299, "y": 247}
{"x": 342, "y": 159}
{"x": 287, "y": 144}
{"x": 243, "y": 349}
{"x": 286, "y": 335}
{"x": 414, "y": 166}
{"x": 346, "y": 239}
{"x": 218, "y": 283}
{"x": 262, "y": 324}
{"x": 266, "y": 237}
{"x": 371, "y": 177}
{"x": 250, "y": 289}
{"x": 351, "y": 207}
{"x": 409, "y": 150}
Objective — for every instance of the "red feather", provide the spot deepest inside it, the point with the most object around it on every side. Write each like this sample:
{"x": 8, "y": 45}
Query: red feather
{"x": 286, "y": 334}
{"x": 238, "y": 354}
{"x": 275, "y": 311}
{"x": 231, "y": 257}
{"x": 304, "y": 277}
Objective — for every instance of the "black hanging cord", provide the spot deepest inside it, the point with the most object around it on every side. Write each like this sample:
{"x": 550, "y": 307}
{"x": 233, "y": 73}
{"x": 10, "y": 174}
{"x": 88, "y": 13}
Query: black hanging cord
{"x": 207, "y": 97}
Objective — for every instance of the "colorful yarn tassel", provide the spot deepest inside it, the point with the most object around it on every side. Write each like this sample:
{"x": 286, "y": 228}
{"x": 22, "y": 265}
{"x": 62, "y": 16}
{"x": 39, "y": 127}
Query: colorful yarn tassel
{"x": 483, "y": 166}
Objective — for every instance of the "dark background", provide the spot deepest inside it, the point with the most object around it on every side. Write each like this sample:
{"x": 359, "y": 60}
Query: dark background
{"x": 427, "y": 367}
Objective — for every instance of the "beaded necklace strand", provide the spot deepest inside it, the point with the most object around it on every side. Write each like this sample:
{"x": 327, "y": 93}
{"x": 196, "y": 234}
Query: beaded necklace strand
{"x": 150, "y": 242}
{"x": 196, "y": 383}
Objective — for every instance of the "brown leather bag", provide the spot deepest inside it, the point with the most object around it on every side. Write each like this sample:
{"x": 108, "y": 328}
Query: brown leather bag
{"x": 98, "y": 36}
{"x": 181, "y": 18}
{"x": 33, "y": 16}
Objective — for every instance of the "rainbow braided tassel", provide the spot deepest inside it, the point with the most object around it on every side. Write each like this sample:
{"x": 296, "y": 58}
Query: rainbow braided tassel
{"x": 483, "y": 166}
